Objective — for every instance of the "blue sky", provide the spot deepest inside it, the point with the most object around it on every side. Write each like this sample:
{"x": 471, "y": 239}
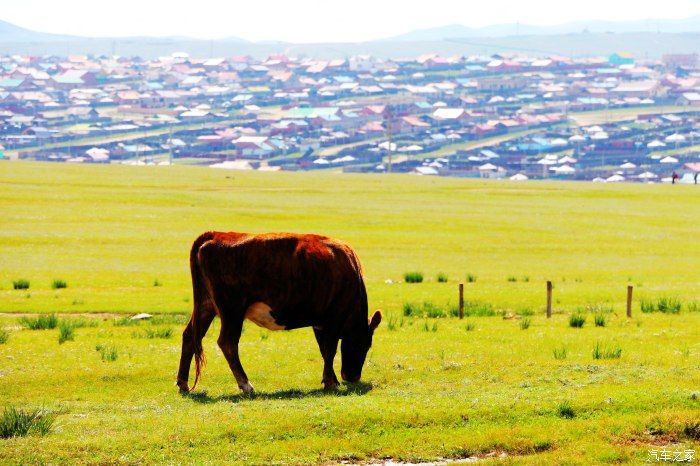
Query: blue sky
{"x": 314, "y": 20}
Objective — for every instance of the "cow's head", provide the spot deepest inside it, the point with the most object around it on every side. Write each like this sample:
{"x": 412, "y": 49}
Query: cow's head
{"x": 354, "y": 348}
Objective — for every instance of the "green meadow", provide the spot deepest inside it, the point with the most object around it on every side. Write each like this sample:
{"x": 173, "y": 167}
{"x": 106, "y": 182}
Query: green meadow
{"x": 505, "y": 385}
{"x": 112, "y": 233}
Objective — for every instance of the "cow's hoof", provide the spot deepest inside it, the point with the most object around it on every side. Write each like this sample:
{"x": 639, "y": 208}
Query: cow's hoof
{"x": 247, "y": 389}
{"x": 331, "y": 385}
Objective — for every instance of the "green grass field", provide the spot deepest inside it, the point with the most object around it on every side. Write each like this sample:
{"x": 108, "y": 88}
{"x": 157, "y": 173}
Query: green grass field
{"x": 486, "y": 387}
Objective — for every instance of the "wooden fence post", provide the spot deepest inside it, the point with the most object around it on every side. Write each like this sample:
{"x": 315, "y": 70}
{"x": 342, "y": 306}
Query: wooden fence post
{"x": 549, "y": 299}
{"x": 461, "y": 300}
{"x": 629, "y": 300}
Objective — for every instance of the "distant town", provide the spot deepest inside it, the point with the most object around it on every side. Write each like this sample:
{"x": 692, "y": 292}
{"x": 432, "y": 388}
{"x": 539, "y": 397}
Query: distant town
{"x": 508, "y": 116}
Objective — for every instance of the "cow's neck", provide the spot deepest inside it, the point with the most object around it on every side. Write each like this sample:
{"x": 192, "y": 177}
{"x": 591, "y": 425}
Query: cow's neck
{"x": 356, "y": 325}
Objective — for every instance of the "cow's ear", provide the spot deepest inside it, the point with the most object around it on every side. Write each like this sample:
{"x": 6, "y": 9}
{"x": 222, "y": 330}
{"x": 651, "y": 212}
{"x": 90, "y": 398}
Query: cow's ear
{"x": 376, "y": 320}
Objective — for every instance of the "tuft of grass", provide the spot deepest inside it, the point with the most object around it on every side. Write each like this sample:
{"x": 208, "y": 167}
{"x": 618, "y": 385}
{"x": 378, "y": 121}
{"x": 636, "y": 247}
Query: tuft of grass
{"x": 512, "y": 278}
{"x": 4, "y": 336}
{"x": 692, "y": 430}
{"x": 125, "y": 322}
{"x": 411, "y": 310}
{"x": 20, "y": 423}
{"x": 597, "y": 351}
{"x": 560, "y": 353}
{"x": 159, "y": 333}
{"x": 525, "y": 312}
{"x": 107, "y": 353}
{"x": 478, "y": 309}
{"x": 526, "y": 278}
{"x": 471, "y": 278}
{"x": 473, "y": 309}
{"x": 647, "y": 306}
{"x": 669, "y": 305}
{"x": 600, "y": 352}
{"x": 453, "y": 310}
{"x": 82, "y": 322}
{"x": 66, "y": 332}
{"x": 565, "y": 410}
{"x": 525, "y": 323}
{"x": 693, "y": 307}
{"x": 665, "y": 304}
{"x": 157, "y": 282}
{"x": 577, "y": 320}
{"x": 432, "y": 311}
{"x": 600, "y": 320}
{"x": 42, "y": 322}
{"x": 428, "y": 328}
{"x": 427, "y": 309}
{"x": 413, "y": 277}
{"x": 658, "y": 426}
{"x": 391, "y": 322}
{"x": 442, "y": 277}
{"x": 20, "y": 284}
{"x": 58, "y": 284}
{"x": 469, "y": 326}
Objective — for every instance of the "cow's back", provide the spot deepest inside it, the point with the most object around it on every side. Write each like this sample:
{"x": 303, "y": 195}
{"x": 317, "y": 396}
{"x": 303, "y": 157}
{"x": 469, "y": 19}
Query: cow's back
{"x": 307, "y": 280}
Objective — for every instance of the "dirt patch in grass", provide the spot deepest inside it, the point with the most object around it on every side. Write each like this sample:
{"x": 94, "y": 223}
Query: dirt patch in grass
{"x": 96, "y": 315}
{"x": 465, "y": 457}
{"x": 660, "y": 431}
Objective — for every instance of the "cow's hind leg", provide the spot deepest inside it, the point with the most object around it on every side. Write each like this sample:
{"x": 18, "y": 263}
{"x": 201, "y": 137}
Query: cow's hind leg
{"x": 204, "y": 317}
{"x": 228, "y": 342}
{"x": 329, "y": 347}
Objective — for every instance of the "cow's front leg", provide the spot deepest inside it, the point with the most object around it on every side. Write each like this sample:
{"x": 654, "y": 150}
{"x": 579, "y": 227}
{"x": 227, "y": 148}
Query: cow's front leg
{"x": 228, "y": 342}
{"x": 329, "y": 347}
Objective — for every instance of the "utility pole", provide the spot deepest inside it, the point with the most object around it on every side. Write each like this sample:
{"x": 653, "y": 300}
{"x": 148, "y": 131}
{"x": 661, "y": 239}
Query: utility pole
{"x": 602, "y": 164}
{"x": 170, "y": 144}
{"x": 388, "y": 122}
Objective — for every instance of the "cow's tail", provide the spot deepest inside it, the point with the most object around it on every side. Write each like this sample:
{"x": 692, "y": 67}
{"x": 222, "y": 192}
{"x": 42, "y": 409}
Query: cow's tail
{"x": 199, "y": 297}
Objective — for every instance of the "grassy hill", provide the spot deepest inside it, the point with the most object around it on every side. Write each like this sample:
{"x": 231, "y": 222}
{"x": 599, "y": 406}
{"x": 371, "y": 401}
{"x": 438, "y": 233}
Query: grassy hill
{"x": 511, "y": 388}
{"x": 111, "y": 231}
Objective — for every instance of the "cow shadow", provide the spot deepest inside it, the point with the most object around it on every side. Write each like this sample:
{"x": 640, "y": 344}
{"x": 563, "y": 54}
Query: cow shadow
{"x": 347, "y": 389}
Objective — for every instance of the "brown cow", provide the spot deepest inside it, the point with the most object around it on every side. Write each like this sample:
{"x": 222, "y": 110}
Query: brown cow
{"x": 280, "y": 281}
